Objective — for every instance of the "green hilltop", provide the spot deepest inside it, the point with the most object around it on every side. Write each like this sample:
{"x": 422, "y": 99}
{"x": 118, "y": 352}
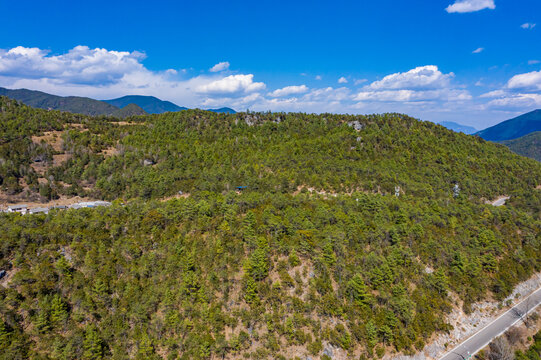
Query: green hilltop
{"x": 314, "y": 254}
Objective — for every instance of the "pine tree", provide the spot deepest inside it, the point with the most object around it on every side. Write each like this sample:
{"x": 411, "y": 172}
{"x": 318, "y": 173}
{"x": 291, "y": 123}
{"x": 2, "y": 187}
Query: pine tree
{"x": 42, "y": 322}
{"x": 59, "y": 311}
{"x": 92, "y": 345}
{"x": 145, "y": 349}
{"x": 4, "y": 335}
{"x": 250, "y": 295}
{"x": 357, "y": 290}
{"x": 328, "y": 254}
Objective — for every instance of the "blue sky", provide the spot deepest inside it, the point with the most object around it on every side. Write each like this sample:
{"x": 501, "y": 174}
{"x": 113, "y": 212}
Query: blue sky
{"x": 474, "y": 62}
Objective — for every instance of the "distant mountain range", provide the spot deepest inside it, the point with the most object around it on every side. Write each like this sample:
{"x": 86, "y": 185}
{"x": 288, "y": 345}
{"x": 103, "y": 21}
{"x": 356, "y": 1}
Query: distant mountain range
{"x": 150, "y": 104}
{"x": 121, "y": 107}
{"x": 458, "y": 127}
{"x": 74, "y": 104}
{"x": 223, "y": 110}
{"x": 513, "y": 128}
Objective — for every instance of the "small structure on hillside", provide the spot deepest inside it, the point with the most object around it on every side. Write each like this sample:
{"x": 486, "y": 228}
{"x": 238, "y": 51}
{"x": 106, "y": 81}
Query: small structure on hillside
{"x": 22, "y": 208}
{"x": 39, "y": 210}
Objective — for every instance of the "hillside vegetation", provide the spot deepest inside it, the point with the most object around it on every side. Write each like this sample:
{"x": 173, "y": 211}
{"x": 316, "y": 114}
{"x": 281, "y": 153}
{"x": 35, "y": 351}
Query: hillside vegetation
{"x": 529, "y": 145}
{"x": 316, "y": 255}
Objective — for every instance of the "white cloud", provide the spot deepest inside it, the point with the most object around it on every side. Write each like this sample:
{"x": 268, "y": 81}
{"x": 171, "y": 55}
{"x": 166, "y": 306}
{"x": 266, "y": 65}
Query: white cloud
{"x": 289, "y": 90}
{"x": 413, "y": 95}
{"x": 421, "y": 84}
{"x": 422, "y": 77}
{"x": 318, "y": 77}
{"x": 478, "y": 50}
{"x": 80, "y": 65}
{"x": 360, "y": 81}
{"x": 493, "y": 94}
{"x": 231, "y": 84}
{"x": 516, "y": 101}
{"x": 466, "y": 6}
{"x": 521, "y": 93}
{"x": 528, "y": 26}
{"x": 101, "y": 74}
{"x": 342, "y": 80}
{"x": 527, "y": 81}
{"x": 221, "y": 66}
{"x": 533, "y": 62}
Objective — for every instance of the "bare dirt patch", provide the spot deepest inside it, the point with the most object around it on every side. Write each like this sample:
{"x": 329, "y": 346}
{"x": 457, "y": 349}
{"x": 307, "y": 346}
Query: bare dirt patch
{"x": 53, "y": 138}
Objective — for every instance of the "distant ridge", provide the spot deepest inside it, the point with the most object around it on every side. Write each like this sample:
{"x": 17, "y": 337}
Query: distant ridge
{"x": 223, "y": 110}
{"x": 151, "y": 104}
{"x": 458, "y": 127}
{"x": 129, "y": 110}
{"x": 513, "y": 128}
{"x": 528, "y": 145}
{"x": 140, "y": 104}
{"x": 74, "y": 104}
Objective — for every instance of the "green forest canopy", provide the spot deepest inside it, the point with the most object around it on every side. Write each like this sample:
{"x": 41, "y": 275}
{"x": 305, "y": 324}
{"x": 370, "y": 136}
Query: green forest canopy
{"x": 273, "y": 271}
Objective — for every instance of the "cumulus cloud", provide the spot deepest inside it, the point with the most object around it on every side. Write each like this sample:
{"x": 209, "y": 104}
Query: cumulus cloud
{"x": 101, "y": 73}
{"x": 528, "y": 26}
{"x": 422, "y": 77}
{"x": 520, "y": 93}
{"x": 528, "y": 81}
{"x": 232, "y": 84}
{"x": 289, "y": 90}
{"x": 421, "y": 84}
{"x": 80, "y": 65}
{"x": 478, "y": 50}
{"x": 342, "y": 80}
{"x": 466, "y": 6}
{"x": 318, "y": 77}
{"x": 221, "y": 66}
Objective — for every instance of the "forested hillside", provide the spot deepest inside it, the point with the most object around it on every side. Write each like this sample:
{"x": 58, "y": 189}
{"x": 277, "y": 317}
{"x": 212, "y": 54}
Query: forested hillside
{"x": 528, "y": 145}
{"x": 316, "y": 255}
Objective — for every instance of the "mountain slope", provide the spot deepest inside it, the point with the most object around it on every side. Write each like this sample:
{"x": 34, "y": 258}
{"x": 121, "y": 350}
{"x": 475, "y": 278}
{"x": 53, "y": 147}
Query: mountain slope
{"x": 528, "y": 145}
{"x": 316, "y": 255}
{"x": 458, "y": 127}
{"x": 150, "y": 104}
{"x": 74, "y": 104}
{"x": 513, "y": 128}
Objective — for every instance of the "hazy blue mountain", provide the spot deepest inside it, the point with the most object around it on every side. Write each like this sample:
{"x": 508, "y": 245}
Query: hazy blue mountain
{"x": 458, "y": 127}
{"x": 74, "y": 104}
{"x": 150, "y": 104}
{"x": 223, "y": 110}
{"x": 528, "y": 145}
{"x": 513, "y": 128}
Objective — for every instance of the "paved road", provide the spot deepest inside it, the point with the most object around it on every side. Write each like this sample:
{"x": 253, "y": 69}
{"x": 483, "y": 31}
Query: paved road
{"x": 484, "y": 336}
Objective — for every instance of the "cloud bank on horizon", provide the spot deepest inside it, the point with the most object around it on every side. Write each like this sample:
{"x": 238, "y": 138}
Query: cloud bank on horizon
{"x": 102, "y": 73}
